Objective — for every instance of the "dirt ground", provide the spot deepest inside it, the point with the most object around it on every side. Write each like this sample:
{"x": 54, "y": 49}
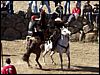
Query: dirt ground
{"x": 84, "y": 59}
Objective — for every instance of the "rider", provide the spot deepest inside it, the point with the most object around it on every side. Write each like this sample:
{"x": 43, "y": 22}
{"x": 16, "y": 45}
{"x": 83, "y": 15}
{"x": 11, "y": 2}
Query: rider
{"x": 32, "y": 24}
{"x": 75, "y": 13}
{"x": 43, "y": 19}
{"x": 37, "y": 26}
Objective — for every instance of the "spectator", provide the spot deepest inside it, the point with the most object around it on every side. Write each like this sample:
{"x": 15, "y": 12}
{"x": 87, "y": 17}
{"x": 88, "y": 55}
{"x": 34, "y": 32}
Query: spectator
{"x": 30, "y": 3}
{"x": 47, "y": 5}
{"x": 75, "y": 14}
{"x": 59, "y": 10}
{"x": 33, "y": 6}
{"x": 56, "y": 2}
{"x": 9, "y": 5}
{"x": 3, "y": 9}
{"x": 78, "y": 2}
{"x": 67, "y": 7}
{"x": 96, "y": 14}
{"x": 87, "y": 11}
{"x": 3, "y": 6}
{"x": 8, "y": 68}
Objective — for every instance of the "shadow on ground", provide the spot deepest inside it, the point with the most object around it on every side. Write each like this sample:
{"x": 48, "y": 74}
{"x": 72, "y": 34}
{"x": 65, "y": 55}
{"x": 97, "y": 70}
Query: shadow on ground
{"x": 74, "y": 69}
{"x": 8, "y": 55}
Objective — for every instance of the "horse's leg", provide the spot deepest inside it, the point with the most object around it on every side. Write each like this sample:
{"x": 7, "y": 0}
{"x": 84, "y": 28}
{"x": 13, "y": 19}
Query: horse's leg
{"x": 44, "y": 53}
{"x": 68, "y": 55}
{"x": 51, "y": 54}
{"x": 81, "y": 35}
{"x": 60, "y": 54}
{"x": 98, "y": 37}
{"x": 60, "y": 49}
{"x": 68, "y": 60}
{"x": 37, "y": 58}
{"x": 26, "y": 58}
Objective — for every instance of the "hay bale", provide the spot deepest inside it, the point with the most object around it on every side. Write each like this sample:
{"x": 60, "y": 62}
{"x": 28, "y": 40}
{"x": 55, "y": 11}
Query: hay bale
{"x": 87, "y": 28}
{"x": 91, "y": 37}
{"x": 75, "y": 37}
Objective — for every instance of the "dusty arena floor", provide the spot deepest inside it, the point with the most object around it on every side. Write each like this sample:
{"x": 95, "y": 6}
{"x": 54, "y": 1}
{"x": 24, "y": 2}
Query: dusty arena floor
{"x": 84, "y": 59}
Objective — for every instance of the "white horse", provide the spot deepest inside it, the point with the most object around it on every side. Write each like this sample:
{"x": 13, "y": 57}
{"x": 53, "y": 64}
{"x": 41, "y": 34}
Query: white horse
{"x": 63, "y": 43}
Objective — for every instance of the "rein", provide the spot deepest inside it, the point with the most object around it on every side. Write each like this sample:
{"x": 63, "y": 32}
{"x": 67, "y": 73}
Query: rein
{"x": 63, "y": 46}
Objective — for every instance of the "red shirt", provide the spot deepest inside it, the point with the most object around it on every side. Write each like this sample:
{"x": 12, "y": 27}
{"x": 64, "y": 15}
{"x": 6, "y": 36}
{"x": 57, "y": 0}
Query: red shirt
{"x": 76, "y": 10}
{"x": 8, "y": 69}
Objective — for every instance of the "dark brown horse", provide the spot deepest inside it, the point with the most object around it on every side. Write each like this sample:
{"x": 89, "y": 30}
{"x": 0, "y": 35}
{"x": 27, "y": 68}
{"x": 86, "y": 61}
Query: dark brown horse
{"x": 33, "y": 46}
{"x": 34, "y": 43}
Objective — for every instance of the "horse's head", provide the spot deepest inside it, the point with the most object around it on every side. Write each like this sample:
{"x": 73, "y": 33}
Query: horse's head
{"x": 65, "y": 31}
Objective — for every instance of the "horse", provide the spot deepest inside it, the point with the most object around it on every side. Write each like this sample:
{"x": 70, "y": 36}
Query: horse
{"x": 61, "y": 42}
{"x": 33, "y": 46}
{"x": 34, "y": 42}
{"x": 51, "y": 45}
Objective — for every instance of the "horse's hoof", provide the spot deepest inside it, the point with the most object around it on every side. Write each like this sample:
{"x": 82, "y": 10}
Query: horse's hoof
{"x": 61, "y": 68}
{"x": 40, "y": 67}
{"x": 35, "y": 64}
{"x": 54, "y": 63}
{"x": 68, "y": 67}
{"x": 30, "y": 66}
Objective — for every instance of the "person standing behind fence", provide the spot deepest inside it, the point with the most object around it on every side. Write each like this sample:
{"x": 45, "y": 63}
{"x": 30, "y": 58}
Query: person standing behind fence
{"x": 47, "y": 5}
{"x": 67, "y": 7}
{"x": 59, "y": 10}
{"x": 78, "y": 2}
{"x": 33, "y": 6}
{"x": 8, "y": 68}
{"x": 96, "y": 14}
{"x": 76, "y": 11}
{"x": 9, "y": 5}
{"x": 3, "y": 6}
{"x": 56, "y": 2}
{"x": 87, "y": 11}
